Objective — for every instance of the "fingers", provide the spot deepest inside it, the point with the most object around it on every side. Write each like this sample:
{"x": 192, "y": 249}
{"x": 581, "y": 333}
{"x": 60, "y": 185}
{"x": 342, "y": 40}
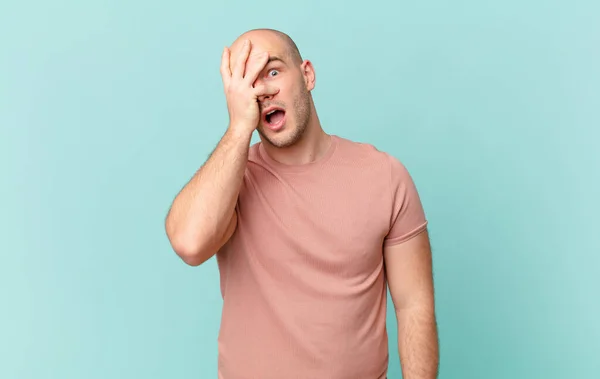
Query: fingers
{"x": 256, "y": 64}
{"x": 225, "y": 70}
{"x": 238, "y": 71}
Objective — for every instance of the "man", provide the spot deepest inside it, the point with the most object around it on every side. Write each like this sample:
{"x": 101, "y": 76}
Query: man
{"x": 308, "y": 229}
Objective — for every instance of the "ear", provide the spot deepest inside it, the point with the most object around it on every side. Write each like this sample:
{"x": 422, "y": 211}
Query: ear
{"x": 308, "y": 72}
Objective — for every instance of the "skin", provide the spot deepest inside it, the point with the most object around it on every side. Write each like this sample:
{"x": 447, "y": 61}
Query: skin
{"x": 410, "y": 281}
{"x": 263, "y": 72}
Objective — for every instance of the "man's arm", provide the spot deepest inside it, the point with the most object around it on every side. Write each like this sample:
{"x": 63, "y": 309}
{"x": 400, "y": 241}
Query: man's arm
{"x": 202, "y": 217}
{"x": 410, "y": 280}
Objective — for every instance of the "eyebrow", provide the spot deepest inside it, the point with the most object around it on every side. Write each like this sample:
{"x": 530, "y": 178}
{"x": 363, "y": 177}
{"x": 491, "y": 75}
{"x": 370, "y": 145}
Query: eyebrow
{"x": 275, "y": 58}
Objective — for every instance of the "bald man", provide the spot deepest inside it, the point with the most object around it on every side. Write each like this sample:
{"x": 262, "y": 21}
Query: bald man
{"x": 309, "y": 230}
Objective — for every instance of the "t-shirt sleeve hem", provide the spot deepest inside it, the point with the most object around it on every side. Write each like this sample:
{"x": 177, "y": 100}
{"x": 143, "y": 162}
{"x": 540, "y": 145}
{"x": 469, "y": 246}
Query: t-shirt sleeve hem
{"x": 405, "y": 237}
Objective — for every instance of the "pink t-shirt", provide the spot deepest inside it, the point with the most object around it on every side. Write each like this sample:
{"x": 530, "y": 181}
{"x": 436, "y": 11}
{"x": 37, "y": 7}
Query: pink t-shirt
{"x": 303, "y": 278}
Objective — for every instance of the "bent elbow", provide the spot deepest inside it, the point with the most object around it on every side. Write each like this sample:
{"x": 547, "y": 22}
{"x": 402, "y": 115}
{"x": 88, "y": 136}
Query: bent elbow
{"x": 193, "y": 254}
{"x": 192, "y": 259}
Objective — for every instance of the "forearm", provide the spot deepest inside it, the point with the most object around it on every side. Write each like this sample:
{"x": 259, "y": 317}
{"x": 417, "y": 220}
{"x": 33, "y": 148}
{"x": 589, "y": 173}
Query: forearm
{"x": 418, "y": 344}
{"x": 202, "y": 211}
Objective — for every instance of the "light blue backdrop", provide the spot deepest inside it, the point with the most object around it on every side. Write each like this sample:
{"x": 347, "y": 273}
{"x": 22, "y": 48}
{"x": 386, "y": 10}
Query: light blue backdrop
{"x": 108, "y": 107}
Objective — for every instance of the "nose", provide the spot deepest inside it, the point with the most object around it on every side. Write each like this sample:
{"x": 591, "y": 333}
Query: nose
{"x": 265, "y": 97}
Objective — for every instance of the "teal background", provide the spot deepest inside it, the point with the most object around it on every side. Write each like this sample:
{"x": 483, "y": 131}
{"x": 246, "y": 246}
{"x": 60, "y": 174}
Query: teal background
{"x": 108, "y": 108}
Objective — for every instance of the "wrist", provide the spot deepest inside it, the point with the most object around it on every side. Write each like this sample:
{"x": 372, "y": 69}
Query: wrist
{"x": 240, "y": 131}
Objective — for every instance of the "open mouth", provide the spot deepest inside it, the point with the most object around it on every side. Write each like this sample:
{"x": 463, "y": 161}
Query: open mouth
{"x": 274, "y": 118}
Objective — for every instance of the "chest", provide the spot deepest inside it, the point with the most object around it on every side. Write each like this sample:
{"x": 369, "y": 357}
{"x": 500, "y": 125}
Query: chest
{"x": 335, "y": 222}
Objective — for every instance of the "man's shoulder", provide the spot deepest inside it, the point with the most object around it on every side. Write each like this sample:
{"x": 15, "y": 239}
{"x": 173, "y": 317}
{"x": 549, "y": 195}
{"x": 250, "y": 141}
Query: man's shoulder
{"x": 363, "y": 151}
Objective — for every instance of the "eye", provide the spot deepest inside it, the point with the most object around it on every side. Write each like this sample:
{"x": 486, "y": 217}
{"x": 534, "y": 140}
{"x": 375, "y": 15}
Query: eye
{"x": 273, "y": 72}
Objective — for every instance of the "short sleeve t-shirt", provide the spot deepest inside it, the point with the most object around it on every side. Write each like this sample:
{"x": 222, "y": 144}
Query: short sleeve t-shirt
{"x": 302, "y": 277}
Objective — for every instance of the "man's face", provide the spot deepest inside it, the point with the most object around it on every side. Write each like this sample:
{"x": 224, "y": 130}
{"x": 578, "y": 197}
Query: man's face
{"x": 284, "y": 116}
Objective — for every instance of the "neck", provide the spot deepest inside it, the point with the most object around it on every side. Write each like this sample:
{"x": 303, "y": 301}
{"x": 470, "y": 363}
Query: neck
{"x": 310, "y": 147}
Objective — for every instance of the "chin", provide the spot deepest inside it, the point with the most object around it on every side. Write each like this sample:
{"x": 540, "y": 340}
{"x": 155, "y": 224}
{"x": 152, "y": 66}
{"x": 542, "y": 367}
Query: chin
{"x": 285, "y": 137}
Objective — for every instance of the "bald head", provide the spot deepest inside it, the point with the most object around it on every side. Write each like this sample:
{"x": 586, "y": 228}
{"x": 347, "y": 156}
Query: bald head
{"x": 275, "y": 39}
{"x": 289, "y": 44}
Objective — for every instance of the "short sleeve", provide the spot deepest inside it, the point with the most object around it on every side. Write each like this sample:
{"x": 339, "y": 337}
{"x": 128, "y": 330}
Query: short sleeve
{"x": 407, "y": 218}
